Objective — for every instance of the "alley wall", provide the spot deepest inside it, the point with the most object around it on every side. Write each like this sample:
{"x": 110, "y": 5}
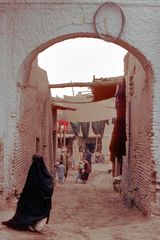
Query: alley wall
{"x": 138, "y": 167}
{"x": 33, "y": 131}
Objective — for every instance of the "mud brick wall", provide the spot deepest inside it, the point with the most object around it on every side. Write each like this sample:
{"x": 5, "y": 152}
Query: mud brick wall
{"x": 34, "y": 124}
{"x": 138, "y": 165}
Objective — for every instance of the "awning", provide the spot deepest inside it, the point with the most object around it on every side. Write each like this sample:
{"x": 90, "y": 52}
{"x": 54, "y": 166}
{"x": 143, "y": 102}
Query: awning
{"x": 103, "y": 92}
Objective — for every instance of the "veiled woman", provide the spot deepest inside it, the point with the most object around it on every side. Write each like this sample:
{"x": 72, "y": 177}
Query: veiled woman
{"x": 34, "y": 204}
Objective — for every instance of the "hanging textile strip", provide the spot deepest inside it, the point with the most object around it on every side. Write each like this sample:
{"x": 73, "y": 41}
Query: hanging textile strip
{"x": 98, "y": 127}
{"x": 85, "y": 129}
{"x": 76, "y": 127}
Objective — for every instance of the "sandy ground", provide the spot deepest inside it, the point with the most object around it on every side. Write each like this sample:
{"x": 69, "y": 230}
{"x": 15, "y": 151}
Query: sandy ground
{"x": 92, "y": 211}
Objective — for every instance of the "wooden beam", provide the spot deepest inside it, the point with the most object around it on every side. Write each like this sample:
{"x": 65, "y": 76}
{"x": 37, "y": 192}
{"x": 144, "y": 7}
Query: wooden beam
{"x": 97, "y": 82}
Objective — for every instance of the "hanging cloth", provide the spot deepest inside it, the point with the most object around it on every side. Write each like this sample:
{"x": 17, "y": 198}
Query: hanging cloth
{"x": 85, "y": 129}
{"x": 75, "y": 127}
{"x": 98, "y": 127}
{"x": 118, "y": 140}
{"x": 120, "y": 103}
{"x": 107, "y": 121}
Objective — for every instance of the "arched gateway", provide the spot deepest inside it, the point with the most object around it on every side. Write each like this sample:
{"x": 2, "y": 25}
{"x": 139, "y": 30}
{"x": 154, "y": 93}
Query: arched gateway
{"x": 27, "y": 28}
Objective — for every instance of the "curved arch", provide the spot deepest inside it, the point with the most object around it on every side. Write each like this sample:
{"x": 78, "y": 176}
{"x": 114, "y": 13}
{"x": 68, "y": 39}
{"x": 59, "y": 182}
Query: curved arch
{"x": 25, "y": 69}
{"x": 24, "y": 72}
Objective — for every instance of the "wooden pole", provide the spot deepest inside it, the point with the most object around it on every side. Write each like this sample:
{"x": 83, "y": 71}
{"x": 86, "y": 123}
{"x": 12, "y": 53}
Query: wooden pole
{"x": 96, "y": 82}
{"x": 60, "y": 135}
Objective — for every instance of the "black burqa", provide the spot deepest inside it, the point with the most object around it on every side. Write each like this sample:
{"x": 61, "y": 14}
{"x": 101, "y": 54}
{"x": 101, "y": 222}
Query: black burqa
{"x": 34, "y": 203}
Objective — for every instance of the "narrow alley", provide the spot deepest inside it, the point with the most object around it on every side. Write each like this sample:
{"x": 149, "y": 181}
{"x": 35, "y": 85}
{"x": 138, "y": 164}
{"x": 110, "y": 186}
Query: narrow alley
{"x": 92, "y": 211}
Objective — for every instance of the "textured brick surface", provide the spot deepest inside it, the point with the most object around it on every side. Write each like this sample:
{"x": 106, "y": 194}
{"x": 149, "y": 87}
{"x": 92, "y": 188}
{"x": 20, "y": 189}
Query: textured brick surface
{"x": 138, "y": 165}
{"x": 34, "y": 122}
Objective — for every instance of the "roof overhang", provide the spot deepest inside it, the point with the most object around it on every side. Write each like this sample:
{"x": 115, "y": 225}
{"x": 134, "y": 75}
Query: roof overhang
{"x": 103, "y": 92}
{"x": 101, "y": 88}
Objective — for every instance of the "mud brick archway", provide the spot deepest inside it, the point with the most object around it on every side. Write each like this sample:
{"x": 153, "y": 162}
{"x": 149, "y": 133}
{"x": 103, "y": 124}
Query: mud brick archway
{"x": 30, "y": 27}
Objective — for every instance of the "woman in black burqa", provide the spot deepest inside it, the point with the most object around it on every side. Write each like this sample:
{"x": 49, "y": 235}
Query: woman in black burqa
{"x": 34, "y": 204}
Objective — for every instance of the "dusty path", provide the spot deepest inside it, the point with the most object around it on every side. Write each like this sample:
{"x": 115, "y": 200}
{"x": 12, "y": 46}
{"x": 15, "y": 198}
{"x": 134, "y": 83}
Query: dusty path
{"x": 91, "y": 211}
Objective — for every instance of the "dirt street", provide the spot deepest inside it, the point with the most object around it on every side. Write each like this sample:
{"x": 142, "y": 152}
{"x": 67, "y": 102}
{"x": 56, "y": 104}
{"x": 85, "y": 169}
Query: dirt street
{"x": 92, "y": 211}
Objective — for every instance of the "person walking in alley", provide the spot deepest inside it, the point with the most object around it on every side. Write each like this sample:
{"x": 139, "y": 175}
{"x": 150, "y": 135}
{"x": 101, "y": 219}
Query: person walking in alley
{"x": 34, "y": 205}
{"x": 61, "y": 172}
{"x": 67, "y": 164}
{"x": 86, "y": 171}
{"x": 80, "y": 170}
{"x": 64, "y": 159}
{"x": 56, "y": 169}
{"x": 88, "y": 157}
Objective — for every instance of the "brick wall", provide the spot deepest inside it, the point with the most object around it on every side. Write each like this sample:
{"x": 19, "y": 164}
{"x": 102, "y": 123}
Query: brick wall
{"x": 34, "y": 127}
{"x": 138, "y": 164}
{"x": 47, "y": 137}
